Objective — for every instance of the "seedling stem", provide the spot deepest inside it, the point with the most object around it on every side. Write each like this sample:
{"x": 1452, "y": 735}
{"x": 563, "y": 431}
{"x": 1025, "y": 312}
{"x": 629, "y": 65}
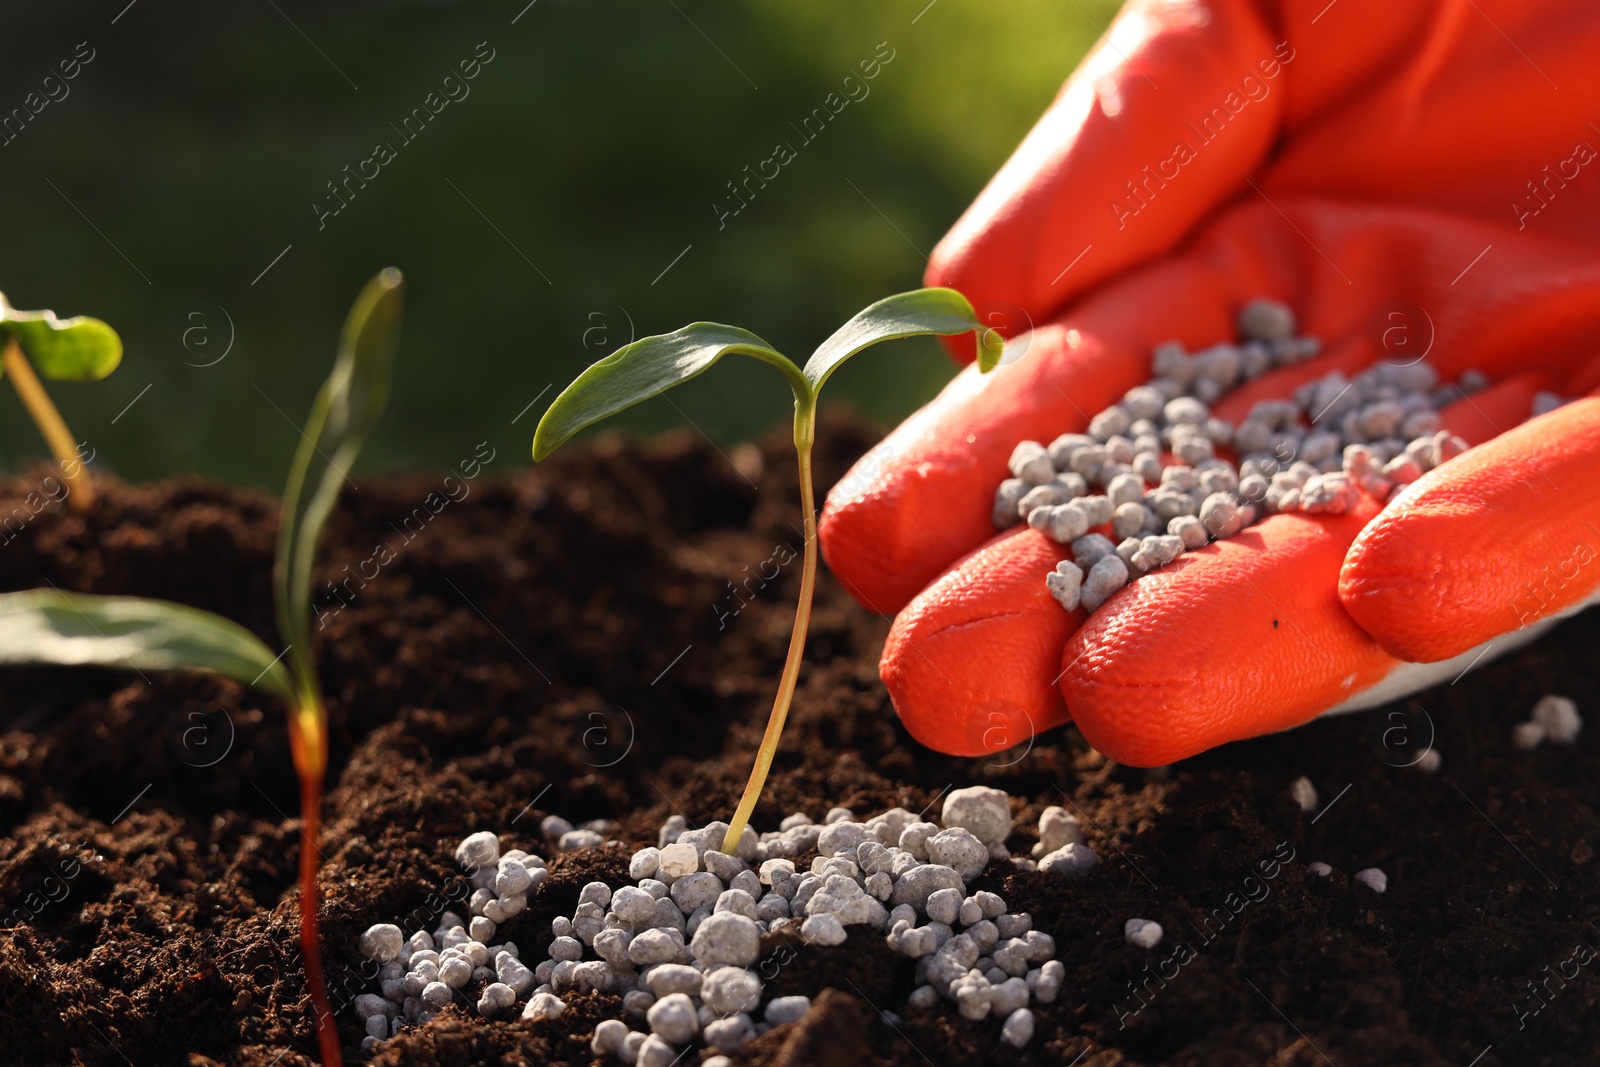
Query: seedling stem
{"x": 50, "y": 423}
{"x": 805, "y": 415}
{"x": 308, "y": 744}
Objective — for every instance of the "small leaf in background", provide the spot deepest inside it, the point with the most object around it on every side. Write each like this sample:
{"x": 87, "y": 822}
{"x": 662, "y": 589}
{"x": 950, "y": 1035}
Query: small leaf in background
{"x": 79, "y": 349}
{"x": 80, "y": 629}
{"x": 346, "y": 408}
{"x": 921, "y": 311}
{"x": 649, "y": 367}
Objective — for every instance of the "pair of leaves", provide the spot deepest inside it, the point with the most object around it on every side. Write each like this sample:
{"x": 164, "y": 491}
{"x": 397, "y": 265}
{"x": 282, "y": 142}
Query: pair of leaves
{"x": 79, "y": 349}
{"x": 652, "y": 365}
{"x": 75, "y": 629}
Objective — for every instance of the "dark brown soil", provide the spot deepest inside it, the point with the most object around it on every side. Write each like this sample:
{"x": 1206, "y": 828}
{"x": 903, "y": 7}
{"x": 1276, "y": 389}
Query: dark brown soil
{"x": 552, "y": 644}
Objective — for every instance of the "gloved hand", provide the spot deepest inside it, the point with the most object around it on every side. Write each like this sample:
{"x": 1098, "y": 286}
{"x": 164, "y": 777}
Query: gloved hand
{"x": 1349, "y": 160}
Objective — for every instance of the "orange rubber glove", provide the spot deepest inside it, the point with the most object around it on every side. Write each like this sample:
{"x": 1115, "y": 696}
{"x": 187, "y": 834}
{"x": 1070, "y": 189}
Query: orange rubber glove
{"x": 1411, "y": 178}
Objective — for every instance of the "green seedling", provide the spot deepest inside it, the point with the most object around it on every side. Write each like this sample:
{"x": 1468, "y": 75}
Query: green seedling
{"x": 47, "y": 626}
{"x": 651, "y": 366}
{"x": 79, "y": 349}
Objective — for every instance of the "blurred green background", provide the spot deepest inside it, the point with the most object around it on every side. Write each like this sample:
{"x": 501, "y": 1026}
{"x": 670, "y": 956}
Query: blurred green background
{"x": 535, "y": 218}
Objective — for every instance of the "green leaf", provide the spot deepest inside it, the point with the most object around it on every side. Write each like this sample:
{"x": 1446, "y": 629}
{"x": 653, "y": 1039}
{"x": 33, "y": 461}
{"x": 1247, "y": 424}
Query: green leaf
{"x": 47, "y": 626}
{"x": 347, "y": 406}
{"x": 79, "y": 349}
{"x": 649, "y": 367}
{"x": 921, "y": 311}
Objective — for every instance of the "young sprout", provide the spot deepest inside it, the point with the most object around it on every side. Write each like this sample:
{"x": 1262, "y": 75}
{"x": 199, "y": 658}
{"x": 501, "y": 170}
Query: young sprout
{"x": 78, "y": 349}
{"x": 651, "y": 366}
{"x": 71, "y": 629}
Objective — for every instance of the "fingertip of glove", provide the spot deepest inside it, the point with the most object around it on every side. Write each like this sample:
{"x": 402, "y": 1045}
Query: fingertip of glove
{"x": 852, "y": 538}
{"x": 1461, "y": 557}
{"x": 1392, "y": 584}
{"x": 1143, "y": 709}
{"x": 969, "y": 663}
{"x": 1132, "y": 704}
{"x": 1242, "y": 638}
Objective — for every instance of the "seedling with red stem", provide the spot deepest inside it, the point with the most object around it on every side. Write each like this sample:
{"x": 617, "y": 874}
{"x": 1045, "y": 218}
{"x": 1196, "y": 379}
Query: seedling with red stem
{"x": 48, "y": 626}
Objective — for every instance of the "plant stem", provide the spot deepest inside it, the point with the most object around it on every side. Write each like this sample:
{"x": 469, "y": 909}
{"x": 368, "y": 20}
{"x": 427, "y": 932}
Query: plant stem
{"x": 309, "y": 744}
{"x": 803, "y": 432}
{"x": 51, "y": 425}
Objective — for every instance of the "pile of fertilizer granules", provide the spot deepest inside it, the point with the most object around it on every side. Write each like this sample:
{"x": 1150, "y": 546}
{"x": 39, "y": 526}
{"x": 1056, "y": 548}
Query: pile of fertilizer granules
{"x": 681, "y": 942}
{"x": 1152, "y": 466}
